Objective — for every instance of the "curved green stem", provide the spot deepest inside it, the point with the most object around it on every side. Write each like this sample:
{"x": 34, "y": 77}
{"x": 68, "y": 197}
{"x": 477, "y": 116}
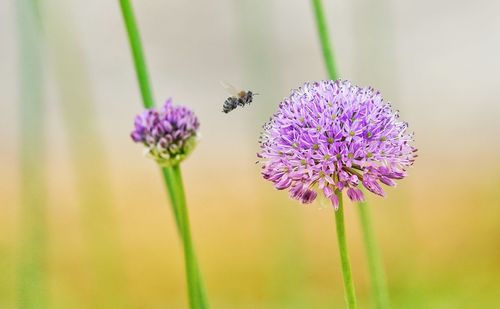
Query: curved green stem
{"x": 375, "y": 266}
{"x": 339, "y": 213}
{"x": 344, "y": 256}
{"x": 171, "y": 175}
{"x": 138, "y": 55}
{"x": 33, "y": 285}
{"x": 173, "y": 181}
{"x": 169, "y": 179}
{"x": 324, "y": 39}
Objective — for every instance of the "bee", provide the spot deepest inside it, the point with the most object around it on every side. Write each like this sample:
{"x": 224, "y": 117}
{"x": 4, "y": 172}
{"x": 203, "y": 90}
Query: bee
{"x": 237, "y": 98}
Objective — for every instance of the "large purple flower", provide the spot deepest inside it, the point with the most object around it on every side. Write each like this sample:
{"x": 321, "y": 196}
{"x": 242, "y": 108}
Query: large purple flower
{"x": 331, "y": 136}
{"x": 169, "y": 134}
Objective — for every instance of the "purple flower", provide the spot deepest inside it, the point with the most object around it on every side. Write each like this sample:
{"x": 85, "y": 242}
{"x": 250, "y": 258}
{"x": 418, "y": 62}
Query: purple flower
{"x": 169, "y": 134}
{"x": 331, "y": 135}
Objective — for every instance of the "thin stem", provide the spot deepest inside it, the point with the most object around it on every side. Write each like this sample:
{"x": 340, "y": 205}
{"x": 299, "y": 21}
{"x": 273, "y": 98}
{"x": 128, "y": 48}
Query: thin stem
{"x": 169, "y": 179}
{"x": 325, "y": 39}
{"x": 33, "y": 291}
{"x": 171, "y": 175}
{"x": 375, "y": 266}
{"x": 139, "y": 60}
{"x": 173, "y": 180}
{"x": 344, "y": 256}
{"x": 92, "y": 184}
{"x": 376, "y": 270}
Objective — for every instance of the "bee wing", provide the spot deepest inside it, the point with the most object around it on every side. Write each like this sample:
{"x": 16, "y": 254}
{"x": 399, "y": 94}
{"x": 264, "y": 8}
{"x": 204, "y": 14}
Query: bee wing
{"x": 230, "y": 89}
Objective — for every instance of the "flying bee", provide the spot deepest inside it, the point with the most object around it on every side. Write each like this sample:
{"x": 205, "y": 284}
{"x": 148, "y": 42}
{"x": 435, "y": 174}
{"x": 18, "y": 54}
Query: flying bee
{"x": 237, "y": 98}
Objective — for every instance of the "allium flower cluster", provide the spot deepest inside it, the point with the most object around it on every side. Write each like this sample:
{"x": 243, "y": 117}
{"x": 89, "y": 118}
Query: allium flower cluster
{"x": 331, "y": 136}
{"x": 169, "y": 134}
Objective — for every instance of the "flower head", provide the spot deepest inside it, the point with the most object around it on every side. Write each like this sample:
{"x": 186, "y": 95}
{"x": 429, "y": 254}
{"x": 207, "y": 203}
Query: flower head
{"x": 331, "y": 136}
{"x": 169, "y": 134}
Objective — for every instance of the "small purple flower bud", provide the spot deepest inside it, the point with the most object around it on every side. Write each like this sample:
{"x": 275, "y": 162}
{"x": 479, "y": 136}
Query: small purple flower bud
{"x": 335, "y": 201}
{"x": 355, "y": 194}
{"x": 387, "y": 181}
{"x": 169, "y": 134}
{"x": 284, "y": 183}
{"x": 309, "y": 196}
{"x": 372, "y": 185}
{"x": 328, "y": 191}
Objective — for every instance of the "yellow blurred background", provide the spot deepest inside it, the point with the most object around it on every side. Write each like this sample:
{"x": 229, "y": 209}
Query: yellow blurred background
{"x": 111, "y": 236}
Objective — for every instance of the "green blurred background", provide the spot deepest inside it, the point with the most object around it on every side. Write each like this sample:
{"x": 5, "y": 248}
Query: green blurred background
{"x": 110, "y": 236}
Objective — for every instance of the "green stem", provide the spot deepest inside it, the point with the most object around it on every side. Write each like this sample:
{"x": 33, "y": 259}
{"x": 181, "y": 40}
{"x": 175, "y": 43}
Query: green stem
{"x": 33, "y": 243}
{"x": 375, "y": 265}
{"x": 376, "y": 270}
{"x": 344, "y": 256}
{"x": 138, "y": 55}
{"x": 173, "y": 181}
{"x": 339, "y": 214}
{"x": 169, "y": 179}
{"x": 171, "y": 175}
{"x": 93, "y": 190}
{"x": 325, "y": 39}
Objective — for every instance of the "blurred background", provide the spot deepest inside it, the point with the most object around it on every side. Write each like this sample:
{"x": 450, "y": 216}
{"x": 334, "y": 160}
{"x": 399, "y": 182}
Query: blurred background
{"x": 72, "y": 180}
